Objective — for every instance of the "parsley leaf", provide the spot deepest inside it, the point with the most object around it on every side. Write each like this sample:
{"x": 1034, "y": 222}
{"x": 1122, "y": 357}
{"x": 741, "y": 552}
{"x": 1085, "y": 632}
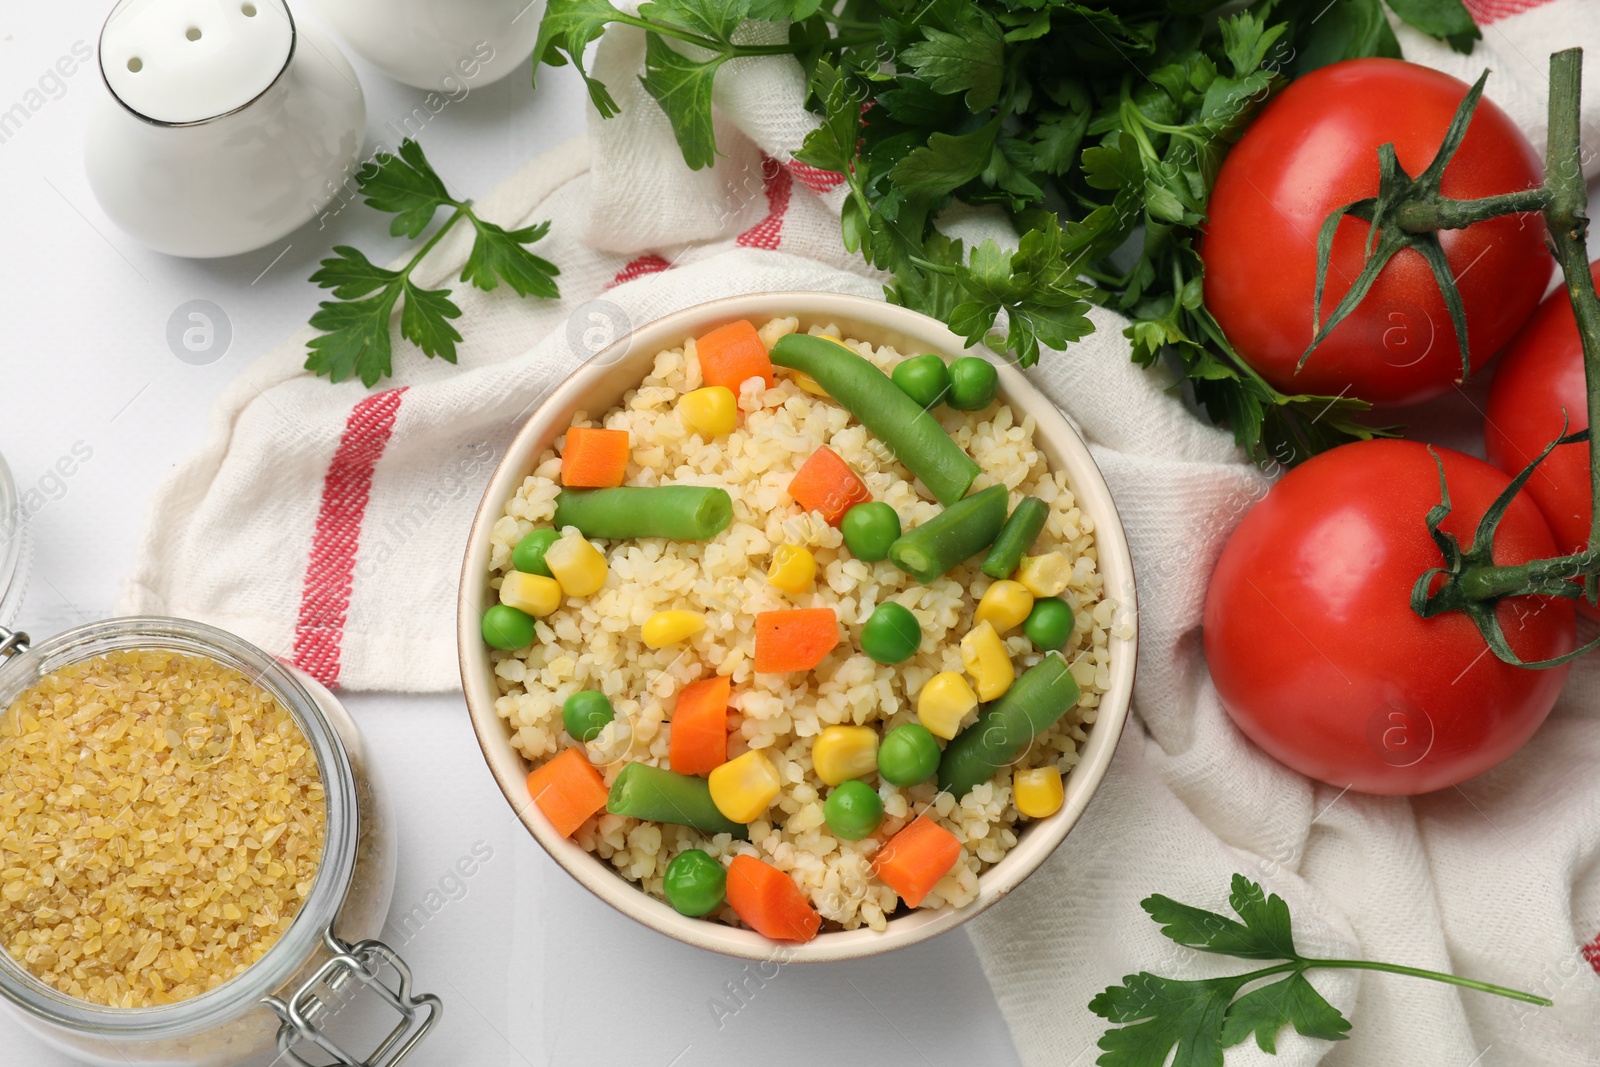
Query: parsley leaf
{"x": 569, "y": 27}
{"x": 354, "y": 340}
{"x": 716, "y": 19}
{"x": 1264, "y": 1011}
{"x": 425, "y": 321}
{"x": 1199, "y": 1018}
{"x": 682, "y": 86}
{"x": 351, "y": 274}
{"x": 499, "y": 254}
{"x": 971, "y": 60}
{"x": 407, "y": 186}
{"x": 1164, "y": 1013}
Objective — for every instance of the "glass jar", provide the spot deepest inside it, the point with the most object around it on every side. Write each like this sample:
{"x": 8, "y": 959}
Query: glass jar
{"x": 327, "y": 954}
{"x": 13, "y": 547}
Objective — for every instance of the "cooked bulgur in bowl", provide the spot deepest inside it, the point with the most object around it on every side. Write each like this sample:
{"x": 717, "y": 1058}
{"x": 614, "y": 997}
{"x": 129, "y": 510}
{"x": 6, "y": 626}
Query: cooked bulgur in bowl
{"x": 807, "y": 635}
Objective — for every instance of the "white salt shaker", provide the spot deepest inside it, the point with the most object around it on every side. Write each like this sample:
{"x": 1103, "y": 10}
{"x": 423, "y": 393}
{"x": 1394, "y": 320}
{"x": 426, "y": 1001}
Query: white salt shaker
{"x": 451, "y": 46}
{"x": 225, "y": 125}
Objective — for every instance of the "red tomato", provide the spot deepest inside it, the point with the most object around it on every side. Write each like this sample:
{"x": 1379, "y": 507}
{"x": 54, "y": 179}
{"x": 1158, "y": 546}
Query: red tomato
{"x": 1317, "y": 655}
{"x": 1313, "y": 150}
{"x": 1539, "y": 378}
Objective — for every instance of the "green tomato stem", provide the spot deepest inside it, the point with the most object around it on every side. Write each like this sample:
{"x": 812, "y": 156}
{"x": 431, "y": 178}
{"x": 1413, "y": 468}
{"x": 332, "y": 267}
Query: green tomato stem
{"x": 1564, "y": 199}
{"x": 1436, "y": 976}
{"x": 1419, "y": 216}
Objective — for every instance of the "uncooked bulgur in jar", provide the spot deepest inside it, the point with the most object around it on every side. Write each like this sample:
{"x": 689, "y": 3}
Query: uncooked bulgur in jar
{"x": 161, "y": 822}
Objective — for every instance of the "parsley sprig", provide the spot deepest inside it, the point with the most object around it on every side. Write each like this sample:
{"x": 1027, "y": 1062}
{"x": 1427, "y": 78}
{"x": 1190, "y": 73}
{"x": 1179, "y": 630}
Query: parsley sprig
{"x": 1201, "y": 1017}
{"x": 1096, "y": 129}
{"x": 355, "y": 341}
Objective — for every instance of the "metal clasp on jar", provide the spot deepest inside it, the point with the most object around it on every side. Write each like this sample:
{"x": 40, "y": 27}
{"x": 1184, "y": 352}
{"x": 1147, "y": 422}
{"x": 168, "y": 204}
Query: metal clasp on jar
{"x": 12, "y": 643}
{"x": 302, "y": 1015}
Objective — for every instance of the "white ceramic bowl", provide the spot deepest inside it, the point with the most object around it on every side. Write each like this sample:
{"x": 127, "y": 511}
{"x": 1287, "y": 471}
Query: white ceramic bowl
{"x": 597, "y": 387}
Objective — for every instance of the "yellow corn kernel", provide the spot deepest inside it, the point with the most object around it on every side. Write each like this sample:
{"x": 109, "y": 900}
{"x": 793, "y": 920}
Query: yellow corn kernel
{"x": 577, "y": 565}
{"x": 944, "y": 702}
{"x": 710, "y": 412}
{"x": 533, "y": 593}
{"x": 1044, "y": 575}
{"x": 1004, "y": 605}
{"x": 984, "y": 655}
{"x": 670, "y": 627}
{"x": 807, "y": 383}
{"x": 841, "y": 753}
{"x": 745, "y": 787}
{"x": 793, "y": 568}
{"x": 1038, "y": 792}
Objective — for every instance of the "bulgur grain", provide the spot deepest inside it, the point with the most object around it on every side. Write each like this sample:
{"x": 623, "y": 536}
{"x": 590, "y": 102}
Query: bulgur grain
{"x": 161, "y": 822}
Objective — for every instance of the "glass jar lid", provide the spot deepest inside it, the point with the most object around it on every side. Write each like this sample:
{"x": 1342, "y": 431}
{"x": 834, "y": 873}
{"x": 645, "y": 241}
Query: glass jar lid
{"x": 13, "y": 548}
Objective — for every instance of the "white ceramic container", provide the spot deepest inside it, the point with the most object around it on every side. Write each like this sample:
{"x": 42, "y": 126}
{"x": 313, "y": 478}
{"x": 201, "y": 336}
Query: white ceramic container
{"x": 599, "y": 385}
{"x": 224, "y": 125}
{"x": 445, "y": 45}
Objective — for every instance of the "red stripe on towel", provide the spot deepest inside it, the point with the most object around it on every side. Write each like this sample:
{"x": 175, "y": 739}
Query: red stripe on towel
{"x": 1591, "y": 952}
{"x": 815, "y": 178}
{"x": 325, "y": 596}
{"x": 1486, "y": 11}
{"x": 647, "y": 264}
{"x": 769, "y": 231}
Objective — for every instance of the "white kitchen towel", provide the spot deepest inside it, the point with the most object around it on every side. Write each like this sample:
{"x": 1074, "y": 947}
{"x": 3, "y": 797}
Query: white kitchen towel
{"x": 327, "y": 523}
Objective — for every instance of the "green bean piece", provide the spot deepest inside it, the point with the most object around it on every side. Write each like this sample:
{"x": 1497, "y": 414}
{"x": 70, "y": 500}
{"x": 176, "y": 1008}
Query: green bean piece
{"x": 956, "y": 534}
{"x": 911, "y": 433}
{"x": 1016, "y": 537}
{"x": 1004, "y": 730}
{"x": 676, "y": 512}
{"x": 658, "y": 795}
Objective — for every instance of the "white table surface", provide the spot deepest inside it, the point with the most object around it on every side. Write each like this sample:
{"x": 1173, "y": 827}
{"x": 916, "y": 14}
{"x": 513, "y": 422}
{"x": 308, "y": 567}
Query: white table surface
{"x": 84, "y": 359}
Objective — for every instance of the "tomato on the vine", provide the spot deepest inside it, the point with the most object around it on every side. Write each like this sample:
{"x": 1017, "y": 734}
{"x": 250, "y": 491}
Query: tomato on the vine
{"x": 1539, "y": 383}
{"x": 1313, "y": 150}
{"x": 1314, "y": 648}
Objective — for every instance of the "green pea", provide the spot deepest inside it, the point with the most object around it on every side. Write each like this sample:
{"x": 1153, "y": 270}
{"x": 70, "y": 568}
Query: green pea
{"x": 585, "y": 713}
{"x": 694, "y": 883}
{"x": 505, "y": 627}
{"x": 908, "y": 755}
{"x": 528, "y": 556}
{"x": 869, "y": 529}
{"x": 891, "y": 634}
{"x": 973, "y": 383}
{"x": 1049, "y": 624}
{"x": 924, "y": 379}
{"x": 853, "y": 810}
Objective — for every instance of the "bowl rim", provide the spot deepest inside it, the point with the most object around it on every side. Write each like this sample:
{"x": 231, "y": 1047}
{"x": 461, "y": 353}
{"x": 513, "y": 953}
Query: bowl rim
{"x": 864, "y": 319}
